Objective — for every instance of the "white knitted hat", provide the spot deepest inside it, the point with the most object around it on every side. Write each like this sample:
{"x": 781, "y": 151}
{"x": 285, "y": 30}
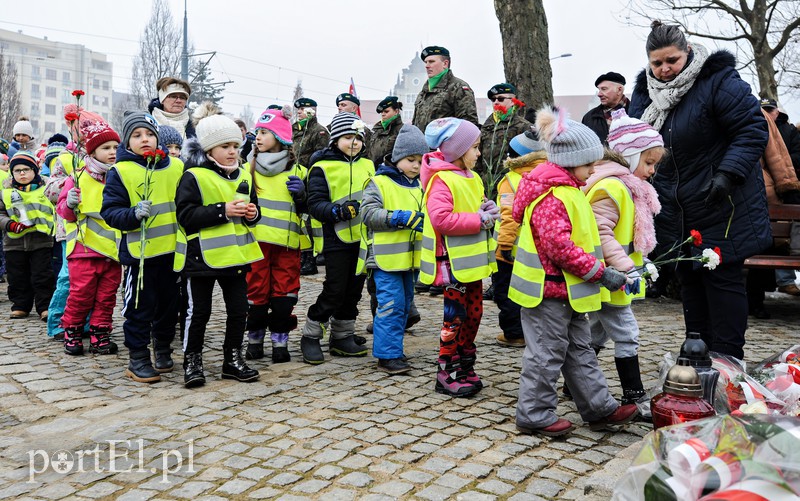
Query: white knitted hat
{"x": 216, "y": 130}
{"x": 24, "y": 127}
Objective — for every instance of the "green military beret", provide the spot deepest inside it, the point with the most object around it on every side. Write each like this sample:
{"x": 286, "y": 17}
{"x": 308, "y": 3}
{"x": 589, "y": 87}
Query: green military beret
{"x": 434, "y": 50}
{"x": 278, "y": 106}
{"x": 389, "y": 102}
{"x": 346, "y": 96}
{"x": 501, "y": 88}
{"x": 305, "y": 102}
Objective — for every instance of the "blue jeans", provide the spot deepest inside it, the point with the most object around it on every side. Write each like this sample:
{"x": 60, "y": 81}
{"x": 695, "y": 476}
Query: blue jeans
{"x": 395, "y": 292}
{"x": 59, "y": 300}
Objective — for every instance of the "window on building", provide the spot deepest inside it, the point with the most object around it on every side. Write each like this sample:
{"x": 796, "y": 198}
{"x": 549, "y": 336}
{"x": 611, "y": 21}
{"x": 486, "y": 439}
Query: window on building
{"x": 95, "y": 100}
{"x": 105, "y": 101}
{"x": 35, "y": 108}
{"x": 50, "y": 109}
{"x": 105, "y": 85}
{"x": 96, "y": 83}
{"x": 35, "y": 123}
{"x": 36, "y": 93}
{"x": 50, "y": 74}
{"x": 66, "y": 77}
{"x": 35, "y": 73}
{"x": 50, "y": 92}
{"x": 49, "y": 127}
{"x": 23, "y": 50}
{"x": 416, "y": 81}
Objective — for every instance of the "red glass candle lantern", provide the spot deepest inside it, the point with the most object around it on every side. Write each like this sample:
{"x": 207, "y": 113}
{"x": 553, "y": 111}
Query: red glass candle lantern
{"x": 682, "y": 398}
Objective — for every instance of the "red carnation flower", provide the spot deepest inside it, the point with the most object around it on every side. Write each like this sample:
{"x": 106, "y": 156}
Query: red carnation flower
{"x": 718, "y": 253}
{"x": 71, "y": 117}
{"x": 160, "y": 154}
{"x": 516, "y": 102}
{"x": 148, "y": 154}
{"x": 499, "y": 107}
{"x": 697, "y": 238}
{"x": 78, "y": 93}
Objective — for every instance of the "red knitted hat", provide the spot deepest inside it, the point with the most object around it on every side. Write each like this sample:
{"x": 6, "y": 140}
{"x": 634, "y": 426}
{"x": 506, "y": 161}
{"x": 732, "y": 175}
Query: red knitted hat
{"x": 95, "y": 133}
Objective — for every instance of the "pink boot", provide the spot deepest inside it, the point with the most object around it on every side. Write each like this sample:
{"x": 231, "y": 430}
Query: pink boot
{"x": 447, "y": 381}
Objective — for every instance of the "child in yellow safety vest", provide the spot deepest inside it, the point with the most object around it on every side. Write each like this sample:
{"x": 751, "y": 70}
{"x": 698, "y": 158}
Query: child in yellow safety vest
{"x": 458, "y": 250}
{"x": 558, "y": 270}
{"x": 274, "y": 281}
{"x": 91, "y": 250}
{"x": 392, "y": 211}
{"x": 26, "y": 216}
{"x": 624, "y": 205}
{"x": 138, "y": 200}
{"x": 335, "y": 184}
{"x": 216, "y": 206}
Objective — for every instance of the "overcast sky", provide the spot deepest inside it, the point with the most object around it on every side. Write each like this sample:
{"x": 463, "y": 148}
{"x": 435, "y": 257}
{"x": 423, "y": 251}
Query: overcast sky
{"x": 265, "y": 47}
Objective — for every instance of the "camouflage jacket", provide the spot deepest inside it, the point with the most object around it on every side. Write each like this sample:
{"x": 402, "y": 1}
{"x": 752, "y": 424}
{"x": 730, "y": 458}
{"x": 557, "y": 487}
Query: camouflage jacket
{"x": 452, "y": 97}
{"x": 495, "y": 138}
{"x": 383, "y": 140}
{"x": 306, "y": 141}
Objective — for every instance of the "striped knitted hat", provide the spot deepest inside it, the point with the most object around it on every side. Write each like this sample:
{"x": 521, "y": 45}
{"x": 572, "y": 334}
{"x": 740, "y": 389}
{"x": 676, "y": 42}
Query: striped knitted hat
{"x": 345, "y": 123}
{"x": 630, "y": 137}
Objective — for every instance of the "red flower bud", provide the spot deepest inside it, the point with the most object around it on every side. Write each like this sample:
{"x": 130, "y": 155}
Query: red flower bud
{"x": 78, "y": 93}
{"x": 697, "y": 238}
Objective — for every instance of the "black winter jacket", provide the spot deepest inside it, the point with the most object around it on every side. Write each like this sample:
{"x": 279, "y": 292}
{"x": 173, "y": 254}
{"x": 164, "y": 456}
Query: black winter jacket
{"x": 791, "y": 138}
{"x": 193, "y": 215}
{"x": 595, "y": 119}
{"x": 717, "y": 126}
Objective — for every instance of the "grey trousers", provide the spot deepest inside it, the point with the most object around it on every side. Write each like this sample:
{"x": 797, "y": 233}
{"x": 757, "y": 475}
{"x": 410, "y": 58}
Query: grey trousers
{"x": 557, "y": 340}
{"x": 618, "y": 324}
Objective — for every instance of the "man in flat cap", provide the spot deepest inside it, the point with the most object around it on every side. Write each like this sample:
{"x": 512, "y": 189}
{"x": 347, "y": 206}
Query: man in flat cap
{"x": 442, "y": 95}
{"x": 611, "y": 91}
{"x": 505, "y": 123}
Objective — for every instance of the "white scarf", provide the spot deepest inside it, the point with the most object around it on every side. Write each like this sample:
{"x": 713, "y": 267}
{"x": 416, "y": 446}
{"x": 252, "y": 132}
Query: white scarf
{"x": 667, "y": 95}
{"x": 177, "y": 121}
{"x": 270, "y": 164}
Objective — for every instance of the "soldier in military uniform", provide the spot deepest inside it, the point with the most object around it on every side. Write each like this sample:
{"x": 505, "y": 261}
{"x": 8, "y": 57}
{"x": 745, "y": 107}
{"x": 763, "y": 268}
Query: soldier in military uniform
{"x": 308, "y": 135}
{"x": 384, "y": 133}
{"x": 442, "y": 95}
{"x": 498, "y": 130}
{"x": 351, "y": 104}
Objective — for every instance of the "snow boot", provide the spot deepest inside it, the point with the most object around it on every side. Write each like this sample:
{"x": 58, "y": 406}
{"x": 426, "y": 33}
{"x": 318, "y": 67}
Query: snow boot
{"x": 73, "y": 344}
{"x": 343, "y": 340}
{"x": 100, "y": 342}
{"x": 630, "y": 379}
{"x": 309, "y": 343}
{"x": 162, "y": 353}
{"x": 466, "y": 372}
{"x": 447, "y": 381}
{"x": 193, "y": 370}
{"x": 308, "y": 265}
{"x": 280, "y": 347}
{"x": 255, "y": 344}
{"x": 140, "y": 367}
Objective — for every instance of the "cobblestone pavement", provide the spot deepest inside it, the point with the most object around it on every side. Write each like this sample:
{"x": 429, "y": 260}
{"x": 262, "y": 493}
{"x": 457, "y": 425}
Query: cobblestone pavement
{"x": 340, "y": 430}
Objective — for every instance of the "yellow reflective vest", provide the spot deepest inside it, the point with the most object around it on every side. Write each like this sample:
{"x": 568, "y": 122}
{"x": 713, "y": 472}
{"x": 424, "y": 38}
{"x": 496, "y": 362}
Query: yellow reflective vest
{"x": 527, "y": 280}
{"x": 38, "y": 209}
{"x": 280, "y": 223}
{"x": 161, "y": 227}
{"x": 615, "y": 189}
{"x": 346, "y": 182}
{"x": 94, "y": 232}
{"x": 471, "y": 256}
{"x": 514, "y": 178}
{"x": 68, "y": 160}
{"x": 231, "y": 243}
{"x": 394, "y": 249}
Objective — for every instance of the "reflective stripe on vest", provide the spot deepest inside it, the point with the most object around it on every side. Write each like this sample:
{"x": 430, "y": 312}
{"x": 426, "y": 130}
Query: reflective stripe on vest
{"x": 526, "y": 287}
{"x": 231, "y": 243}
{"x": 615, "y": 189}
{"x": 39, "y": 211}
{"x": 161, "y": 227}
{"x": 316, "y": 235}
{"x": 394, "y": 249}
{"x": 94, "y": 233}
{"x": 513, "y": 178}
{"x": 346, "y": 182}
{"x": 280, "y": 224}
{"x": 471, "y": 256}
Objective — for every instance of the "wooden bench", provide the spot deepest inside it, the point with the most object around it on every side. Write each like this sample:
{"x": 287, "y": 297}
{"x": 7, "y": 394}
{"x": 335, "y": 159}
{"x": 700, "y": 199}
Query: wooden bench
{"x": 780, "y": 218}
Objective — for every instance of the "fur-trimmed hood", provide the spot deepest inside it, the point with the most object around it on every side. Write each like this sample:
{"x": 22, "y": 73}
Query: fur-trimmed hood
{"x": 716, "y": 61}
{"x": 192, "y": 154}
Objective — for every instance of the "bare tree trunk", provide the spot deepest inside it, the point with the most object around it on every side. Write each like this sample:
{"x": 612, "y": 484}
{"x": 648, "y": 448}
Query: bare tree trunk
{"x": 526, "y": 49}
{"x": 9, "y": 97}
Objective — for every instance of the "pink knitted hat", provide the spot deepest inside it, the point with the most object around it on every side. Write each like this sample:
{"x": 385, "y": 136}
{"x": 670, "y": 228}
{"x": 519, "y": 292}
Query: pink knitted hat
{"x": 630, "y": 137}
{"x": 452, "y": 136}
{"x": 277, "y": 122}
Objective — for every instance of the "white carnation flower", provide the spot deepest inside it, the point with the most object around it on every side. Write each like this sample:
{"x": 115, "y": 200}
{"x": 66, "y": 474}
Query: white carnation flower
{"x": 309, "y": 112}
{"x": 710, "y": 259}
{"x": 652, "y": 271}
{"x": 359, "y": 125}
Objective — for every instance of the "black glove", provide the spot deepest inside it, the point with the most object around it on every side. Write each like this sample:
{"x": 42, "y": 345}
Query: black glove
{"x": 791, "y": 197}
{"x": 350, "y": 210}
{"x": 612, "y": 279}
{"x": 508, "y": 255}
{"x": 721, "y": 187}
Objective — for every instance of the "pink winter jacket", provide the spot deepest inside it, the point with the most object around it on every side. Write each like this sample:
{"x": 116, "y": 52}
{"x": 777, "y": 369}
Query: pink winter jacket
{"x": 68, "y": 214}
{"x": 440, "y": 204}
{"x": 606, "y": 212}
{"x": 552, "y": 227}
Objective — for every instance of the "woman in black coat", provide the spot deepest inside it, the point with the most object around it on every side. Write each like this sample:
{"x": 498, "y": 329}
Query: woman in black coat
{"x": 710, "y": 181}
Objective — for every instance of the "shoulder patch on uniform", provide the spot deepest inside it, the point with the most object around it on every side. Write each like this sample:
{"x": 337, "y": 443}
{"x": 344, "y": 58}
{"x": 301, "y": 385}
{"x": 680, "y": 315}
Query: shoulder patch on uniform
{"x": 465, "y": 87}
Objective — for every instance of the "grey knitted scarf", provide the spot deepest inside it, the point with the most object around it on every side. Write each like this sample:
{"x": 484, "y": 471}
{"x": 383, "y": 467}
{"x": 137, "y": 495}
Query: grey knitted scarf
{"x": 667, "y": 95}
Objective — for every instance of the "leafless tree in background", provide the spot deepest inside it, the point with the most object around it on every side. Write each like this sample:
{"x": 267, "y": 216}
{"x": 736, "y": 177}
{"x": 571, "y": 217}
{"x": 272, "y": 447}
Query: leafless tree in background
{"x": 159, "y": 54}
{"x": 765, "y": 33}
{"x": 9, "y": 97}
{"x": 526, "y": 49}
